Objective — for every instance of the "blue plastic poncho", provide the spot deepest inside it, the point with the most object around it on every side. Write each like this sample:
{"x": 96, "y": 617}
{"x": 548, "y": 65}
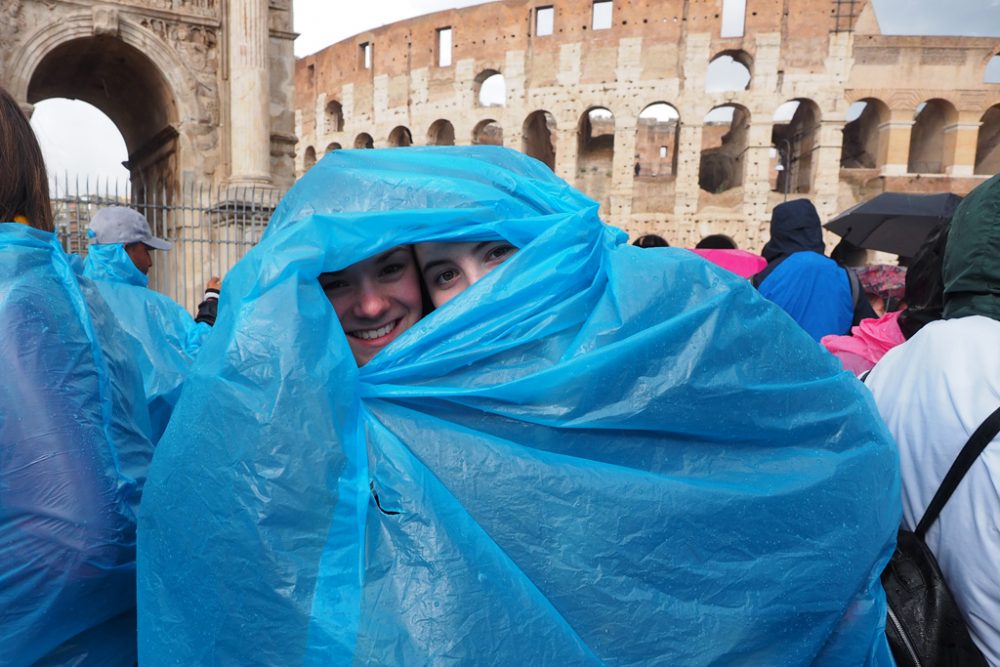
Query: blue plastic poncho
{"x": 596, "y": 454}
{"x": 168, "y": 335}
{"x": 72, "y": 440}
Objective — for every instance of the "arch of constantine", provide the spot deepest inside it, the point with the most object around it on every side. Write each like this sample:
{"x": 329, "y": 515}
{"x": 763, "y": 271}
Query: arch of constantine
{"x": 676, "y": 120}
{"x": 201, "y": 90}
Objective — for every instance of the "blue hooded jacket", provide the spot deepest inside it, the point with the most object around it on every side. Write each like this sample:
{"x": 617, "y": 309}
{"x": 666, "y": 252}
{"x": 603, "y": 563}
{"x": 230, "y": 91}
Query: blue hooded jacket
{"x": 168, "y": 336}
{"x": 597, "y": 454}
{"x": 74, "y": 441}
{"x": 812, "y": 288}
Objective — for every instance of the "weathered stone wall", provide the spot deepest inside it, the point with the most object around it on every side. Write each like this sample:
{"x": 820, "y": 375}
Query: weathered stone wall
{"x": 163, "y": 71}
{"x": 659, "y": 51}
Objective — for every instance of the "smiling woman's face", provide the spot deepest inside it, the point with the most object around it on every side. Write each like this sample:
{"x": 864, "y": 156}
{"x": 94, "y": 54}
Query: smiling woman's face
{"x": 449, "y": 268}
{"x": 376, "y": 300}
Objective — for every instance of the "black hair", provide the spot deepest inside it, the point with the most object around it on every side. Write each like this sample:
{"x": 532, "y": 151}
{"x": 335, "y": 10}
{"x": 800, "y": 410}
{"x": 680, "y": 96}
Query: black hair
{"x": 717, "y": 242}
{"x": 651, "y": 241}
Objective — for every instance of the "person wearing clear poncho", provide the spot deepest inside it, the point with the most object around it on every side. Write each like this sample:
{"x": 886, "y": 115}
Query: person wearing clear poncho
{"x": 168, "y": 338}
{"x": 74, "y": 437}
{"x": 594, "y": 454}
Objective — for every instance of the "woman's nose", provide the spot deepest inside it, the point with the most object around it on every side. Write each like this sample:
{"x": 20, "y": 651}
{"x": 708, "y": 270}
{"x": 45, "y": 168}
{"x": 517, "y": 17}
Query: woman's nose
{"x": 372, "y": 303}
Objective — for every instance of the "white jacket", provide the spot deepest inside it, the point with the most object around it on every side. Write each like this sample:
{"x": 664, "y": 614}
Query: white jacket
{"x": 933, "y": 392}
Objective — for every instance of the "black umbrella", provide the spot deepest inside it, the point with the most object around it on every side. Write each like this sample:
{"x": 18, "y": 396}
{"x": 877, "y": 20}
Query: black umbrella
{"x": 894, "y": 222}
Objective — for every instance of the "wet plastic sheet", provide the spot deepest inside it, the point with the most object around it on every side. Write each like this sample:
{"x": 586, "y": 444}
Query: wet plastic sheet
{"x": 72, "y": 442}
{"x": 596, "y": 454}
{"x": 168, "y": 335}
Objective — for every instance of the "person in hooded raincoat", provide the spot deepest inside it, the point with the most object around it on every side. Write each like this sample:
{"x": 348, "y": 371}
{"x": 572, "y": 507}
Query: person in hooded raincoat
{"x": 813, "y": 289}
{"x": 118, "y": 261}
{"x": 934, "y": 391}
{"x": 596, "y": 454}
{"x": 72, "y": 438}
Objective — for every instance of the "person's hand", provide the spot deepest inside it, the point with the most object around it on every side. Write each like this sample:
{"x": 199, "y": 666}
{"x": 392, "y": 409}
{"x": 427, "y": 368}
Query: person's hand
{"x": 215, "y": 282}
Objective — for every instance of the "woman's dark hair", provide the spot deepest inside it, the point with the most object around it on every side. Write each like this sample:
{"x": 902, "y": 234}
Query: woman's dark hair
{"x": 651, "y": 241}
{"x": 716, "y": 242}
{"x": 24, "y": 185}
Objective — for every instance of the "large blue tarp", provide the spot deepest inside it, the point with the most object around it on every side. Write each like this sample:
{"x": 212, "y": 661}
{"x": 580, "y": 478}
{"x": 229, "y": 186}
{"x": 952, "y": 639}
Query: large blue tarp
{"x": 598, "y": 454}
{"x": 73, "y": 440}
{"x": 167, "y": 334}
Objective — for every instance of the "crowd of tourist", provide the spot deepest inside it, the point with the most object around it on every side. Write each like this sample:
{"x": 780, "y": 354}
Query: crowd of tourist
{"x": 443, "y": 414}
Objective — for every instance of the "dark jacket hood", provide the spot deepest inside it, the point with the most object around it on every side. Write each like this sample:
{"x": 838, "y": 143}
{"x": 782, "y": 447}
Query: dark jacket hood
{"x": 971, "y": 269}
{"x": 795, "y": 226}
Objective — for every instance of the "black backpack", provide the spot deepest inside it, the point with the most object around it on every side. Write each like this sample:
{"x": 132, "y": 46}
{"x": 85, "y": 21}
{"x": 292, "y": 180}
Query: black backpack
{"x": 924, "y": 626}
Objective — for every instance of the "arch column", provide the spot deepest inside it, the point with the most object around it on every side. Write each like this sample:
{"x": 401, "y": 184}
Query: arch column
{"x": 249, "y": 94}
{"x": 623, "y": 171}
{"x": 897, "y": 152}
{"x": 688, "y": 163}
{"x": 960, "y": 141}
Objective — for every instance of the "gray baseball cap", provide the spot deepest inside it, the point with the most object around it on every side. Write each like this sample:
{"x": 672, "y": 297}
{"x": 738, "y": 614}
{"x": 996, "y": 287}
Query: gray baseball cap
{"x": 120, "y": 224}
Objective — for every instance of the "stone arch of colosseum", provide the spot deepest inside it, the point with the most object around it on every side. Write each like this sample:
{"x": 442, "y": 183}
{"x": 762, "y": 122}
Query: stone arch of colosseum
{"x": 865, "y": 112}
{"x": 190, "y": 110}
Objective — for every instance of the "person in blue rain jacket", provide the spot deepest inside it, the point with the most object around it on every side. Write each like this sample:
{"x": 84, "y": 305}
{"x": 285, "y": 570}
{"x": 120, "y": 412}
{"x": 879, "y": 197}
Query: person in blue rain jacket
{"x": 74, "y": 435}
{"x": 593, "y": 454}
{"x": 118, "y": 261}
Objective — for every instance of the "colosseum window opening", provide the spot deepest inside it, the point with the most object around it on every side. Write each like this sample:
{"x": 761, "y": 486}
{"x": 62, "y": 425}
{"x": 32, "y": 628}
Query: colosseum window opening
{"x": 332, "y": 146}
{"x": 400, "y": 136}
{"x": 602, "y": 14}
{"x": 728, "y": 72}
{"x": 992, "y": 73}
{"x": 334, "y": 117}
{"x": 309, "y": 159}
{"x": 929, "y": 139}
{"x": 794, "y": 136}
{"x": 364, "y": 140}
{"x": 488, "y": 132}
{"x": 544, "y": 21}
{"x": 538, "y": 137}
{"x": 866, "y": 135}
{"x": 491, "y": 89}
{"x": 595, "y": 152}
{"x": 441, "y": 133}
{"x": 723, "y": 149}
{"x": 444, "y": 47}
{"x": 656, "y": 142}
{"x": 988, "y": 143}
{"x": 365, "y": 55}
{"x": 733, "y": 18}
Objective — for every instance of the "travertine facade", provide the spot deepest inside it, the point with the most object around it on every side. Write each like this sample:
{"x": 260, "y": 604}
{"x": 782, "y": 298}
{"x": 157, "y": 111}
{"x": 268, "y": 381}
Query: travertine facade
{"x": 680, "y": 174}
{"x": 201, "y": 90}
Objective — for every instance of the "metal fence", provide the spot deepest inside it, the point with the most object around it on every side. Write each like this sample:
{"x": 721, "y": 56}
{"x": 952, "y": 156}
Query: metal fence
{"x": 210, "y": 228}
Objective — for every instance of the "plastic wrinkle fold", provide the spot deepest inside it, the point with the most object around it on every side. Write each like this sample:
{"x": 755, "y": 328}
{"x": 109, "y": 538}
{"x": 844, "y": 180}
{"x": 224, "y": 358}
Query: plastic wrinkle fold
{"x": 597, "y": 454}
{"x": 72, "y": 439}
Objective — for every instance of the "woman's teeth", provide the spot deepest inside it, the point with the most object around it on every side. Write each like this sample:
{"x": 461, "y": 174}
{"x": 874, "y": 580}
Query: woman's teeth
{"x": 372, "y": 334}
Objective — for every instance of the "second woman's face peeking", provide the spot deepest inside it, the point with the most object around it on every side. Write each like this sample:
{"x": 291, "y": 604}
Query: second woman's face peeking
{"x": 449, "y": 268}
{"x": 376, "y": 300}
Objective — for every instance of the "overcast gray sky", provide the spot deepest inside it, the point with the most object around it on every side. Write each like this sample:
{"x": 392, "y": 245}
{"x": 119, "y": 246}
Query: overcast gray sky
{"x": 78, "y": 139}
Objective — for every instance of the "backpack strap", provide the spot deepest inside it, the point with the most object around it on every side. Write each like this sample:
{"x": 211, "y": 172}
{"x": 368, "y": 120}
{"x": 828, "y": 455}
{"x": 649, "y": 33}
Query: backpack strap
{"x": 970, "y": 452}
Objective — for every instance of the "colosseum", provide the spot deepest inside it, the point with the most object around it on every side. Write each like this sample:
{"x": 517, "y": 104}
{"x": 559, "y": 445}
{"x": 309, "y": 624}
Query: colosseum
{"x": 681, "y": 117}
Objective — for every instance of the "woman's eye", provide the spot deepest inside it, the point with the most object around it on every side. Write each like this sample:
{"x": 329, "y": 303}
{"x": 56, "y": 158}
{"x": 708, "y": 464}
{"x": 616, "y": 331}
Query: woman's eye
{"x": 500, "y": 252}
{"x": 330, "y": 283}
{"x": 391, "y": 269}
{"x": 445, "y": 277}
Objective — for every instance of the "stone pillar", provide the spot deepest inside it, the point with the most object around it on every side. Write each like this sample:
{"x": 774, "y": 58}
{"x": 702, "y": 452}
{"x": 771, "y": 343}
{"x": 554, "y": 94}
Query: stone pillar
{"x": 960, "y": 146}
{"x": 897, "y": 152}
{"x": 688, "y": 163}
{"x": 623, "y": 171}
{"x": 249, "y": 90}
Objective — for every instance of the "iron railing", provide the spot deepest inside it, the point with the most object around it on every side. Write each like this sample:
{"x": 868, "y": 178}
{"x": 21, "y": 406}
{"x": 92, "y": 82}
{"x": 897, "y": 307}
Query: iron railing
{"x": 210, "y": 228}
